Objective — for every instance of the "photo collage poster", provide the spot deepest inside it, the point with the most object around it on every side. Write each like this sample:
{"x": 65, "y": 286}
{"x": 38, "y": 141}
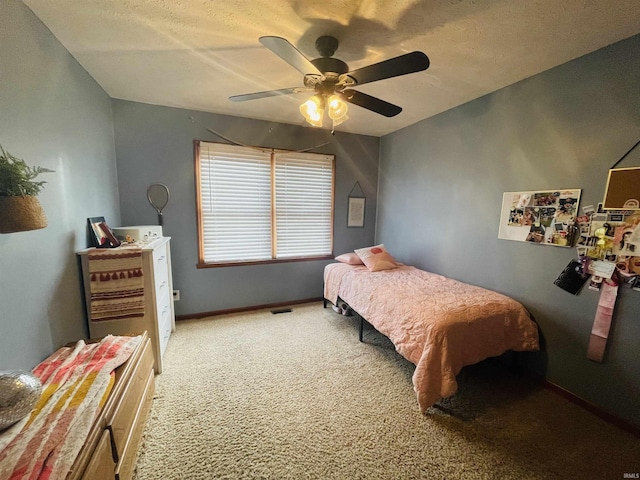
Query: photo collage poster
{"x": 545, "y": 217}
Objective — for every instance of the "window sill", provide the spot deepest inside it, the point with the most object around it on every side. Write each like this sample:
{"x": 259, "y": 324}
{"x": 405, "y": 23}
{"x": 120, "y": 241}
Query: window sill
{"x": 263, "y": 262}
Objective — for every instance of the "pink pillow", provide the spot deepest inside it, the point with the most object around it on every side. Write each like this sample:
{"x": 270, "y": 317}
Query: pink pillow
{"x": 350, "y": 258}
{"x": 376, "y": 258}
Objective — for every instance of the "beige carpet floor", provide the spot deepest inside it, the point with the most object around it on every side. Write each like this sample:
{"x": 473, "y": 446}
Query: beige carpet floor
{"x": 296, "y": 396}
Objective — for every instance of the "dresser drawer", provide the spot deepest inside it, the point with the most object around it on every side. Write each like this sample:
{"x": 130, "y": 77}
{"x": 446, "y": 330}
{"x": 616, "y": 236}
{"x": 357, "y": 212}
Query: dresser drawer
{"x": 162, "y": 286}
{"x": 160, "y": 267}
{"x": 164, "y": 322}
{"x": 125, "y": 412}
{"x": 127, "y": 459}
{"x": 101, "y": 466}
{"x": 163, "y": 308}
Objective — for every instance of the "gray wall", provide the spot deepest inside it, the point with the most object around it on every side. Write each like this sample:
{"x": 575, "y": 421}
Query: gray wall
{"x": 440, "y": 194}
{"x": 52, "y": 114}
{"x": 155, "y": 145}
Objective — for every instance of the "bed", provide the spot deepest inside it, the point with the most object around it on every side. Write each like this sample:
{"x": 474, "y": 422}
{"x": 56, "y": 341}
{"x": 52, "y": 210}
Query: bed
{"x": 437, "y": 323}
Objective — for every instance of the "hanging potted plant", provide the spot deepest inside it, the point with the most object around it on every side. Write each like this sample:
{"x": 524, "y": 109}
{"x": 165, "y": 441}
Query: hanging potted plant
{"x": 20, "y": 209}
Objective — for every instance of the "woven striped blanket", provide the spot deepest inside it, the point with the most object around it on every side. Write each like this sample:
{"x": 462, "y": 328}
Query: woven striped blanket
{"x": 117, "y": 284}
{"x": 76, "y": 382}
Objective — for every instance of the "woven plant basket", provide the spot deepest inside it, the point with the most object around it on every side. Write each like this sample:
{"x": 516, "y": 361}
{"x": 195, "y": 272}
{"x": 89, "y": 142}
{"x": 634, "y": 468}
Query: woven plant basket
{"x": 19, "y": 214}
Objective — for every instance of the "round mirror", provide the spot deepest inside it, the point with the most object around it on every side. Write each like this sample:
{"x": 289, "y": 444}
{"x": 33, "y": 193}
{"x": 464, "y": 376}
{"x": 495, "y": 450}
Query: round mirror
{"x": 158, "y": 196}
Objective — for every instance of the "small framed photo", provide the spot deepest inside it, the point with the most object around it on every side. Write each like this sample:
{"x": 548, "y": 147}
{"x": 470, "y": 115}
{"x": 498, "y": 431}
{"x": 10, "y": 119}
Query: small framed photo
{"x": 101, "y": 236}
{"x": 355, "y": 217}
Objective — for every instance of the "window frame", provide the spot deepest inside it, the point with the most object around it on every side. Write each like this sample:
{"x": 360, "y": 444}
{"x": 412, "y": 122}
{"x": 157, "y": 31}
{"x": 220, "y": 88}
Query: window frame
{"x": 200, "y": 220}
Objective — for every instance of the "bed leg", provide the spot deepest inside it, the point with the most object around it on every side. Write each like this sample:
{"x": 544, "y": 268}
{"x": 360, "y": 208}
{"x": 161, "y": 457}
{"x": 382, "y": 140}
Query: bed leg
{"x": 444, "y": 409}
{"x": 324, "y": 302}
{"x": 517, "y": 364}
{"x": 361, "y": 327}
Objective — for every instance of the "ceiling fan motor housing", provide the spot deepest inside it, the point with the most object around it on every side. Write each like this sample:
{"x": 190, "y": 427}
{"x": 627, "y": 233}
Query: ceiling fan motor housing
{"x": 326, "y": 45}
{"x": 327, "y": 64}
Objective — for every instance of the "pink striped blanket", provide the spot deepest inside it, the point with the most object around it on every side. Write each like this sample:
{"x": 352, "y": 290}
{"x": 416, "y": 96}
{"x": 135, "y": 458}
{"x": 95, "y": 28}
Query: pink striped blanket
{"x": 76, "y": 381}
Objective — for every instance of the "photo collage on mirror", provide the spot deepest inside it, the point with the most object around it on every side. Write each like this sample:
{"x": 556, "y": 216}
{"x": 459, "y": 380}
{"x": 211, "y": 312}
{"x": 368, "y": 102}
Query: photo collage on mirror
{"x": 613, "y": 236}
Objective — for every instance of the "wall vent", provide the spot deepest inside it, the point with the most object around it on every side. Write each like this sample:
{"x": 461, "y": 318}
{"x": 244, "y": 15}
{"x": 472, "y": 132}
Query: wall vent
{"x": 281, "y": 310}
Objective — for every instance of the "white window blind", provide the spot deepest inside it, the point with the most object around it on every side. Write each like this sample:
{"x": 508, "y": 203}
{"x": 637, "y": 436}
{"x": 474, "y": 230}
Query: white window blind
{"x": 304, "y": 204}
{"x": 235, "y": 196}
{"x": 259, "y": 205}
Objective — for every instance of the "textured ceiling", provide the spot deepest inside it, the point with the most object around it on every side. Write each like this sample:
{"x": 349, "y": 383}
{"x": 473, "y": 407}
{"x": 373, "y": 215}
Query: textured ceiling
{"x": 194, "y": 54}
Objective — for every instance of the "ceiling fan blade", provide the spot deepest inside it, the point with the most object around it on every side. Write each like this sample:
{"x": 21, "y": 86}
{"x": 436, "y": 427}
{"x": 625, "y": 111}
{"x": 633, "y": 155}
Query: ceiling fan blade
{"x": 371, "y": 103}
{"x": 290, "y": 54}
{"x": 268, "y": 93}
{"x": 394, "y": 67}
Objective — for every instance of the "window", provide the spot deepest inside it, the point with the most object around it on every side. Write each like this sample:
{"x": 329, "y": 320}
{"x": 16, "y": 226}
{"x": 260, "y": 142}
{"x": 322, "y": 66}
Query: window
{"x": 257, "y": 205}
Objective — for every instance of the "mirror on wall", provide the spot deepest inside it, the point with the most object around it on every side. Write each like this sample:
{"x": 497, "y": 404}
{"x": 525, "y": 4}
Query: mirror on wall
{"x": 158, "y": 196}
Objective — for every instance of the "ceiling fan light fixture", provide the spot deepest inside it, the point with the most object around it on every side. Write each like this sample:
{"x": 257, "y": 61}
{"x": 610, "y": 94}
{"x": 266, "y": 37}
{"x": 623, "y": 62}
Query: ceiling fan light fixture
{"x": 342, "y": 119}
{"x": 337, "y": 109}
{"x": 313, "y": 110}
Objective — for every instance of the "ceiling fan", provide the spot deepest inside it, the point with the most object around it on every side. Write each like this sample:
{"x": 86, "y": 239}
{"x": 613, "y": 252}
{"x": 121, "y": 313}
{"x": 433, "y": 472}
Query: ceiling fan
{"x": 331, "y": 81}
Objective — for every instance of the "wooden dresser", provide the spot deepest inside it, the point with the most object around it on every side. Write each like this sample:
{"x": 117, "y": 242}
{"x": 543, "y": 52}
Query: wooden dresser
{"x": 111, "y": 448}
{"x": 159, "y": 315}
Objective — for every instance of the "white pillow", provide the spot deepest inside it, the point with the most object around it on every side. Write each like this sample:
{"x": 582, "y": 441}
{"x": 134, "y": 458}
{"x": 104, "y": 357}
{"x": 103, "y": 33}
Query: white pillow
{"x": 351, "y": 258}
{"x": 377, "y": 258}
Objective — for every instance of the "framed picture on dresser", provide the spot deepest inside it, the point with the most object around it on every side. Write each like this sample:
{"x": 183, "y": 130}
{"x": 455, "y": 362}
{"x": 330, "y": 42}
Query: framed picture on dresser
{"x": 100, "y": 235}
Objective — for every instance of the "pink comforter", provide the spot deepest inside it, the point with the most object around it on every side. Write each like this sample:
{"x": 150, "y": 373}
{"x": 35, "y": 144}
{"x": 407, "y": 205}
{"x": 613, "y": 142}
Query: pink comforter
{"x": 437, "y": 323}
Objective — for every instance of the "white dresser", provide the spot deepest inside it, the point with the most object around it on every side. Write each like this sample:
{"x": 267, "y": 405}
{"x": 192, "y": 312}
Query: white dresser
{"x": 159, "y": 315}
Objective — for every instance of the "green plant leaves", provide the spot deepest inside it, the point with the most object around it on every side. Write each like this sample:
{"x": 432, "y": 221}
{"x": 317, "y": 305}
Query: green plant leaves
{"x": 17, "y": 178}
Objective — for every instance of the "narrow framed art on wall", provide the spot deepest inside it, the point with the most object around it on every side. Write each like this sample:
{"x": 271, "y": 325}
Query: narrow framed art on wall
{"x": 355, "y": 217}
